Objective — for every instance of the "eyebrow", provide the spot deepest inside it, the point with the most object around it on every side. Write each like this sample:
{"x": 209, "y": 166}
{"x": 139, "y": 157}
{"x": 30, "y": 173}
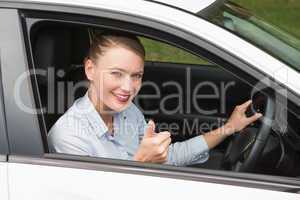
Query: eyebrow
{"x": 116, "y": 68}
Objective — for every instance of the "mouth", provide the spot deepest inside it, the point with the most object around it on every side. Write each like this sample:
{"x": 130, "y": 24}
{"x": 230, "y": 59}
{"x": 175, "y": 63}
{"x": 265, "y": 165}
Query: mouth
{"x": 122, "y": 98}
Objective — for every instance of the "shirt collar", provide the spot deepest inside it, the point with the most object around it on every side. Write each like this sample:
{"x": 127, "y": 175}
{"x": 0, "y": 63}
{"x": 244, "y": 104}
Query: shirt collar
{"x": 85, "y": 106}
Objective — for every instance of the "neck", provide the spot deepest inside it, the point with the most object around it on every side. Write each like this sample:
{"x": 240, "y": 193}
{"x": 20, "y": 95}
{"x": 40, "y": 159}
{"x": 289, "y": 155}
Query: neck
{"x": 105, "y": 113}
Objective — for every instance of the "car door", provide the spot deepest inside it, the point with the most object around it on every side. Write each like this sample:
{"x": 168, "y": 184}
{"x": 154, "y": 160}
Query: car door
{"x": 3, "y": 177}
{"x": 3, "y": 146}
{"x": 47, "y": 178}
{"x": 35, "y": 174}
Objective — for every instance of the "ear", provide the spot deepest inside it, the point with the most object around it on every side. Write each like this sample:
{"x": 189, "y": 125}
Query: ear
{"x": 89, "y": 68}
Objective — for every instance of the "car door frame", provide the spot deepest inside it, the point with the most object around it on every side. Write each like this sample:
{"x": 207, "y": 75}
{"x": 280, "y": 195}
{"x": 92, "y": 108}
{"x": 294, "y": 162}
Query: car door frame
{"x": 4, "y": 150}
{"x": 37, "y": 156}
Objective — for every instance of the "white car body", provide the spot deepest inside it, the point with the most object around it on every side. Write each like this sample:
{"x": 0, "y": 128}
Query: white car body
{"x": 3, "y": 181}
{"x": 66, "y": 183}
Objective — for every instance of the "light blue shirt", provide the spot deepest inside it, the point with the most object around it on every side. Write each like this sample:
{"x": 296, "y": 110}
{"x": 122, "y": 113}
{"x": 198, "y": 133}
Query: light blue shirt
{"x": 81, "y": 131}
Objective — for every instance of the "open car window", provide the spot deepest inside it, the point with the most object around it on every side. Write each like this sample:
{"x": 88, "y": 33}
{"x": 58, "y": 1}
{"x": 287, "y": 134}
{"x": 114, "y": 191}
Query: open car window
{"x": 162, "y": 52}
{"x": 187, "y": 95}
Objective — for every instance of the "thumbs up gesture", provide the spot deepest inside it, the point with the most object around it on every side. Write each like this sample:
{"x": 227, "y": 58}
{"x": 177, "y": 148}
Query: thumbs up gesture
{"x": 154, "y": 146}
{"x": 150, "y": 131}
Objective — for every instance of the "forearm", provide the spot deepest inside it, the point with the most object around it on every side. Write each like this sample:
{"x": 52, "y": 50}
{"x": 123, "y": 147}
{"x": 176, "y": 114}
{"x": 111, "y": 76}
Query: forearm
{"x": 215, "y": 137}
{"x": 194, "y": 150}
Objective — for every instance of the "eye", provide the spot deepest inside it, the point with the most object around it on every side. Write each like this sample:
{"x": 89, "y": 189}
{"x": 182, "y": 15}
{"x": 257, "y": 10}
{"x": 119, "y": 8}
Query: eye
{"x": 137, "y": 76}
{"x": 116, "y": 73}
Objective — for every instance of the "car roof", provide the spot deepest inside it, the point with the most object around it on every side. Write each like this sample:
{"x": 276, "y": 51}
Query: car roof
{"x": 192, "y": 6}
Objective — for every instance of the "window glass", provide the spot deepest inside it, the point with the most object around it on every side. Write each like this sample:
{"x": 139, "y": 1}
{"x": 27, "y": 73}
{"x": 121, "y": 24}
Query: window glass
{"x": 162, "y": 52}
{"x": 269, "y": 38}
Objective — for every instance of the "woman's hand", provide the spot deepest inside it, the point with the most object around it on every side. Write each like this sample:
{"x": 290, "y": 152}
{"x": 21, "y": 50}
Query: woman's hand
{"x": 154, "y": 146}
{"x": 238, "y": 119}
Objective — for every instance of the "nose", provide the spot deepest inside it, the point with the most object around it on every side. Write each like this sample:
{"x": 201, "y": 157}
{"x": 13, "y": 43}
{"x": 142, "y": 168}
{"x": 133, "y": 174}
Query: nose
{"x": 127, "y": 84}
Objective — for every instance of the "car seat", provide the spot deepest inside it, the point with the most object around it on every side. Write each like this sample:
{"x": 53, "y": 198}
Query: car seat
{"x": 59, "y": 51}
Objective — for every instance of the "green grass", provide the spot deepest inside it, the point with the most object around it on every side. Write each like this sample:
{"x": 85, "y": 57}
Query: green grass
{"x": 281, "y": 13}
{"x": 284, "y": 14}
{"x": 158, "y": 51}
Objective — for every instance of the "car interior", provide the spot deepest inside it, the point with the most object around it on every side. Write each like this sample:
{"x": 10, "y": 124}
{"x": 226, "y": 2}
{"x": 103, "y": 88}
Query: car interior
{"x": 62, "y": 47}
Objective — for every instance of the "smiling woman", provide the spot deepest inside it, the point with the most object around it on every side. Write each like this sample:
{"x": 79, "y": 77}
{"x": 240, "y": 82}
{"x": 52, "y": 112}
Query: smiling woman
{"x": 105, "y": 122}
{"x": 116, "y": 78}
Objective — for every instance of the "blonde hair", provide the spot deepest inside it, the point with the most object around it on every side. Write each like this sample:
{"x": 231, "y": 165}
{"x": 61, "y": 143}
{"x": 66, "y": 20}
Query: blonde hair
{"x": 102, "y": 41}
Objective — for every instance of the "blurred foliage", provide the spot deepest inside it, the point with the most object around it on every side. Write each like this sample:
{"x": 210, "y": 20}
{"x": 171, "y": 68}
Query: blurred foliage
{"x": 284, "y": 14}
{"x": 158, "y": 51}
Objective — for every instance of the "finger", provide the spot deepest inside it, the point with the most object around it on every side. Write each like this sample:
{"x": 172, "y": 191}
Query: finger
{"x": 245, "y": 105}
{"x": 161, "y": 149}
{"x": 150, "y": 129}
{"x": 165, "y": 153}
{"x": 159, "y": 161}
{"x": 166, "y": 133}
{"x": 162, "y": 137}
{"x": 254, "y": 117}
{"x": 166, "y": 143}
{"x": 162, "y": 157}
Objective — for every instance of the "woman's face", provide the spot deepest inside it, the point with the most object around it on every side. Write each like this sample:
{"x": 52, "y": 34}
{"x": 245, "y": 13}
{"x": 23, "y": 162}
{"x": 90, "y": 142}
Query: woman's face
{"x": 116, "y": 77}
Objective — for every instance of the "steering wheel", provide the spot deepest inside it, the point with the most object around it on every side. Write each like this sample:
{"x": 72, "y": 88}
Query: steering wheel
{"x": 246, "y": 147}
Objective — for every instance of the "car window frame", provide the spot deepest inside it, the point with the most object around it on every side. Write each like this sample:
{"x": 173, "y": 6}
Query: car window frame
{"x": 14, "y": 66}
{"x": 30, "y": 18}
{"x": 4, "y": 150}
{"x": 73, "y": 161}
{"x": 220, "y": 57}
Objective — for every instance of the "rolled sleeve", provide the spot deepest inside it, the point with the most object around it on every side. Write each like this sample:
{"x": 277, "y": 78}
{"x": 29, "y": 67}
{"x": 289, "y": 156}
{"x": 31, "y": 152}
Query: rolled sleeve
{"x": 192, "y": 151}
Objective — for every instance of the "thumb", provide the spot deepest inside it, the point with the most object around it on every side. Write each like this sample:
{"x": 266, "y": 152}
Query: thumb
{"x": 150, "y": 129}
